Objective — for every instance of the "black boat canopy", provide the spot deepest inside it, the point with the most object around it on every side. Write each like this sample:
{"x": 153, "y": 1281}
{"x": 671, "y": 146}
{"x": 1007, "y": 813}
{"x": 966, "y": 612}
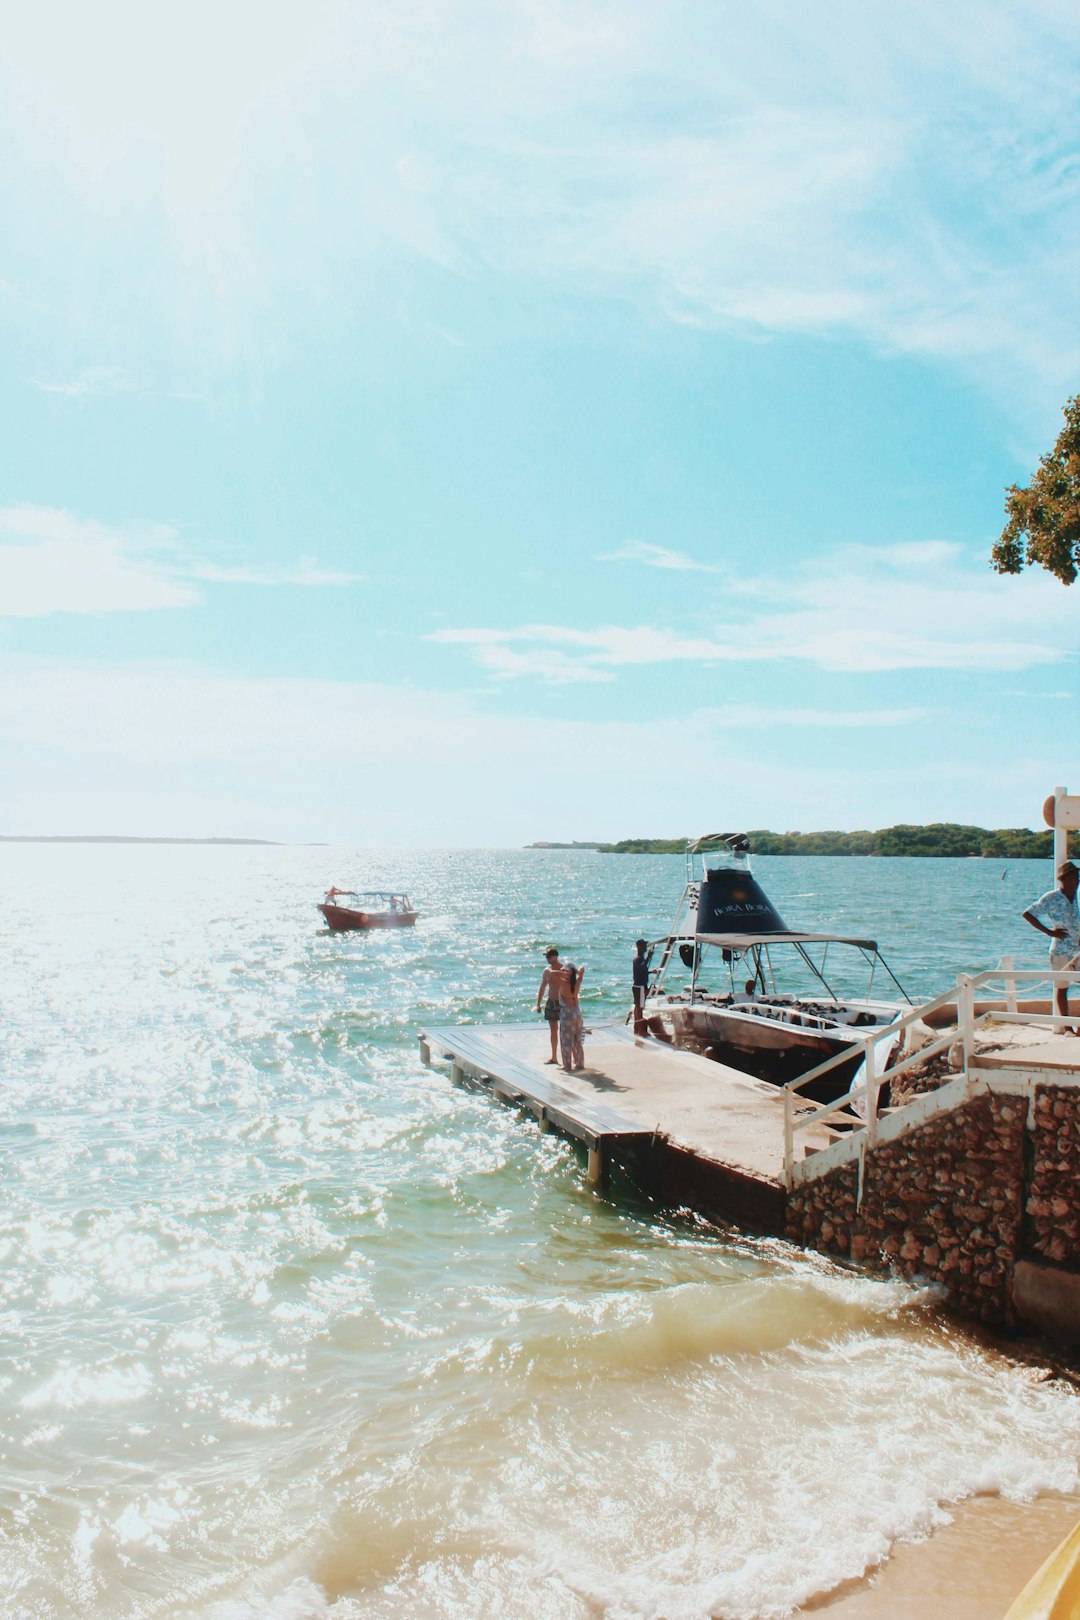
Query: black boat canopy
{"x": 735, "y": 912}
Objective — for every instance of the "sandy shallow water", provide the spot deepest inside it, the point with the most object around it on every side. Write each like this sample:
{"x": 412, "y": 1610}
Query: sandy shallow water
{"x": 971, "y": 1569}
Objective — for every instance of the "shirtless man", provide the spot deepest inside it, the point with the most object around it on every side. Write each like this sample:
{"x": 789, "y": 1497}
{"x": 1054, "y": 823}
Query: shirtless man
{"x": 551, "y": 986}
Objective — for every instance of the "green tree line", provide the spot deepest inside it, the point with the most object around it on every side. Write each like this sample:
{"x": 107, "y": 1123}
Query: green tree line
{"x": 939, "y": 838}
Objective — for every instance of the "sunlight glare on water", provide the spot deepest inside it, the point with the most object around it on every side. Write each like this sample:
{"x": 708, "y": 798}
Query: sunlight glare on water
{"x": 292, "y": 1327}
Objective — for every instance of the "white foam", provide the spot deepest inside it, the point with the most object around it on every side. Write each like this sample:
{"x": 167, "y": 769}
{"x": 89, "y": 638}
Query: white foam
{"x": 302, "y": 1599}
{"x": 72, "y": 1387}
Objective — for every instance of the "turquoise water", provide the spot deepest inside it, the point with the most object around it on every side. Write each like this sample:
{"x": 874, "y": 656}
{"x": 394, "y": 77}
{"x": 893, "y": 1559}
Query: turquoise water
{"x": 291, "y": 1327}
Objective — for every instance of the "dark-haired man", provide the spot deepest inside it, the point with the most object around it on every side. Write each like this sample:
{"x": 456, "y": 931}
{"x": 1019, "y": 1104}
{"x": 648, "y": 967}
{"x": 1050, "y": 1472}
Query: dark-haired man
{"x": 550, "y": 986}
{"x": 639, "y": 972}
{"x": 1056, "y": 914}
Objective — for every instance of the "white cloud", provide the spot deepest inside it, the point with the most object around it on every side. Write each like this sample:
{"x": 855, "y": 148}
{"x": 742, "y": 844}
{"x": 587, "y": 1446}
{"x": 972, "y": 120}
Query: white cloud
{"x": 640, "y": 551}
{"x": 56, "y": 562}
{"x": 93, "y": 380}
{"x": 735, "y": 717}
{"x": 908, "y": 178}
{"x": 158, "y": 749}
{"x": 104, "y": 381}
{"x": 157, "y": 714}
{"x": 918, "y": 605}
{"x": 305, "y": 572}
{"x": 594, "y": 653}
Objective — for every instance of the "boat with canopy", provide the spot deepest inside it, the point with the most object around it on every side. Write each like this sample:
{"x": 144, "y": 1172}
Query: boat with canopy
{"x": 762, "y": 997}
{"x": 348, "y": 909}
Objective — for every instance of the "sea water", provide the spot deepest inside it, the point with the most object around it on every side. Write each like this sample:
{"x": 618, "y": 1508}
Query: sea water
{"x": 293, "y": 1327}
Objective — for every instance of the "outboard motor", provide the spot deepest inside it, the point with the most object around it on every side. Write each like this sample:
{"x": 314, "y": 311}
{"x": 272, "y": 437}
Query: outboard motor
{"x": 732, "y": 902}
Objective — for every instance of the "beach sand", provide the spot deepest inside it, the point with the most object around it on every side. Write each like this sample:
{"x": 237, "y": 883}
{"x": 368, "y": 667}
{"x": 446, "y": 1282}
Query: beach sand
{"x": 971, "y": 1569}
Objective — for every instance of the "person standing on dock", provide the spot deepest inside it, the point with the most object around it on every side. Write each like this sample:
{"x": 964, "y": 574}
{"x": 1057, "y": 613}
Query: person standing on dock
{"x": 1057, "y": 915}
{"x": 549, "y": 987}
{"x": 571, "y": 1028}
{"x": 639, "y": 972}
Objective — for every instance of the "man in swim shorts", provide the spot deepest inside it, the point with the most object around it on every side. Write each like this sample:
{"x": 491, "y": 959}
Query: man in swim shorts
{"x": 550, "y": 986}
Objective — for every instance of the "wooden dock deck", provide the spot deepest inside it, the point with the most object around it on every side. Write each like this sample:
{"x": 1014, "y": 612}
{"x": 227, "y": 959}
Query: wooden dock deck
{"x": 705, "y": 1135}
{"x": 1001, "y": 1233}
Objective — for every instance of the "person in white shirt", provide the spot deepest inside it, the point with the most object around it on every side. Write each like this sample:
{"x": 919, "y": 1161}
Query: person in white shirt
{"x": 1057, "y": 915}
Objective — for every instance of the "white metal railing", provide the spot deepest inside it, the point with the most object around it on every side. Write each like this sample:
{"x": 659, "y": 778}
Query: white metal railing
{"x": 863, "y": 1095}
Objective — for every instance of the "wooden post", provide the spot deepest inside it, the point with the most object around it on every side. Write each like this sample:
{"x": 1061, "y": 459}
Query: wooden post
{"x": 457, "y": 1074}
{"x": 596, "y": 1174}
{"x": 789, "y": 1140}
{"x": 1010, "y": 983}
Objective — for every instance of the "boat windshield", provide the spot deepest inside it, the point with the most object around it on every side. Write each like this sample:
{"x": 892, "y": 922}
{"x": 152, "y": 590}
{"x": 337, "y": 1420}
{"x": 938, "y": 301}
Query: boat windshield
{"x": 372, "y": 899}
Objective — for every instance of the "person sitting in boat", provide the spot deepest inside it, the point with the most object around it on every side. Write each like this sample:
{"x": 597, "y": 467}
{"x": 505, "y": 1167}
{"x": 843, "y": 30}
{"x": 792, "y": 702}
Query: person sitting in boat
{"x": 748, "y": 993}
{"x": 1056, "y": 914}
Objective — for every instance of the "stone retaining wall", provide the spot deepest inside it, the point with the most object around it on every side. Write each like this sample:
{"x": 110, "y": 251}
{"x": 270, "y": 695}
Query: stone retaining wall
{"x": 923, "y": 1077}
{"x": 944, "y": 1204}
{"x": 1053, "y": 1205}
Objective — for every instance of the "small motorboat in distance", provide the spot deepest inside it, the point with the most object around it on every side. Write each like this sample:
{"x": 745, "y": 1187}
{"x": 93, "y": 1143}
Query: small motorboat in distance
{"x": 366, "y": 908}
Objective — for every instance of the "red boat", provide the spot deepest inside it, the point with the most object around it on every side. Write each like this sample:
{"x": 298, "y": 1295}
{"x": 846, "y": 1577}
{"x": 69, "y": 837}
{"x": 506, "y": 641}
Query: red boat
{"x": 367, "y": 908}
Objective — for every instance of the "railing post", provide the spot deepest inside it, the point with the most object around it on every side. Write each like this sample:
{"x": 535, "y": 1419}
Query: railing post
{"x": 789, "y": 1139}
{"x": 870, "y": 1076}
{"x": 965, "y": 1016}
{"x": 1010, "y": 983}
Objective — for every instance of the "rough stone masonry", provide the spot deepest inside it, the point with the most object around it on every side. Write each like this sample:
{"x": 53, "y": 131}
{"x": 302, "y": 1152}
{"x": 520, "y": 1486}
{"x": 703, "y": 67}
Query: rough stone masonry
{"x": 958, "y": 1200}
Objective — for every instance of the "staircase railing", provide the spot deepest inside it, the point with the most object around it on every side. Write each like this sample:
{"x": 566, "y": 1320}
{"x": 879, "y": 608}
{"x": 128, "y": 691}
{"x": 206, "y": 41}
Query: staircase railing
{"x": 802, "y": 1113}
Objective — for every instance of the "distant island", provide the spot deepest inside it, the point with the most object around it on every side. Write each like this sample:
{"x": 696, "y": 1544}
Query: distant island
{"x": 939, "y": 838}
{"x": 544, "y": 843}
{"x": 121, "y": 838}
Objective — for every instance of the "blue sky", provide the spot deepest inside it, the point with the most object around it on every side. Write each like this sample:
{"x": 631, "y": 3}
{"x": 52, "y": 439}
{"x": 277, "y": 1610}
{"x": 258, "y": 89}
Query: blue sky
{"x": 472, "y": 423}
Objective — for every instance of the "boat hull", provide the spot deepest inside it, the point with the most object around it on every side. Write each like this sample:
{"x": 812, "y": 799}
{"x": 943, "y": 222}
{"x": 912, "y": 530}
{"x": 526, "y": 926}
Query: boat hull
{"x": 340, "y": 920}
{"x": 774, "y": 1050}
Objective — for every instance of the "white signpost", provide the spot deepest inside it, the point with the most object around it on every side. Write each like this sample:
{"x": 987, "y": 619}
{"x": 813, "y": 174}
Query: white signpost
{"x": 1062, "y": 812}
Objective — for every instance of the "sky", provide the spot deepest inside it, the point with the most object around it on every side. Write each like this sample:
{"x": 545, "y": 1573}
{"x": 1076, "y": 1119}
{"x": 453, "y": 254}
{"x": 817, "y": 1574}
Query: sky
{"x": 466, "y": 423}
